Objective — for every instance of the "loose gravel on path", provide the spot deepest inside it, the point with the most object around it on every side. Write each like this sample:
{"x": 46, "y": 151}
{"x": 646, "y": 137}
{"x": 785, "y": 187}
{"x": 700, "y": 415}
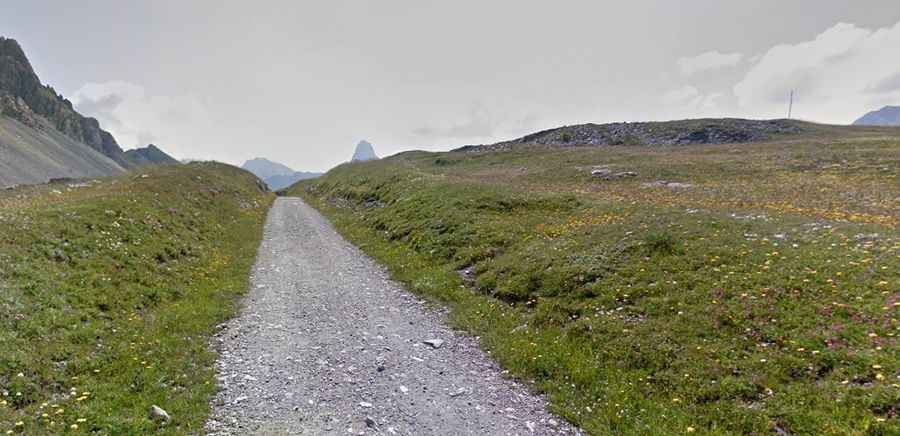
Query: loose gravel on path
{"x": 326, "y": 343}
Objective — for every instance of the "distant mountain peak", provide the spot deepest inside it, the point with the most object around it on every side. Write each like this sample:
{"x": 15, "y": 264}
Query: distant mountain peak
{"x": 364, "y": 151}
{"x": 886, "y": 116}
{"x": 150, "y": 155}
{"x": 276, "y": 175}
{"x": 265, "y": 168}
{"x": 11, "y": 51}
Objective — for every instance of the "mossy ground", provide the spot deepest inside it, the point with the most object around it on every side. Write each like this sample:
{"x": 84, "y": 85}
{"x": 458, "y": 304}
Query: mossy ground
{"x": 762, "y": 298}
{"x": 109, "y": 294}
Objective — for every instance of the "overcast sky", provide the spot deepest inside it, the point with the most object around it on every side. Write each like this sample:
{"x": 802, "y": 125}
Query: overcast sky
{"x": 300, "y": 82}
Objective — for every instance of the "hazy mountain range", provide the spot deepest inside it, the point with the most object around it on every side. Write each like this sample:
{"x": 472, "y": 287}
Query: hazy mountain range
{"x": 276, "y": 175}
{"x": 42, "y": 136}
{"x": 279, "y": 176}
{"x": 886, "y": 116}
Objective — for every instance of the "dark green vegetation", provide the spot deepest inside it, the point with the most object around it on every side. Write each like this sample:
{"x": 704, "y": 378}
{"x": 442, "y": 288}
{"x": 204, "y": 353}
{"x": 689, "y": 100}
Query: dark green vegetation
{"x": 757, "y": 294}
{"x": 109, "y": 291}
{"x": 149, "y": 155}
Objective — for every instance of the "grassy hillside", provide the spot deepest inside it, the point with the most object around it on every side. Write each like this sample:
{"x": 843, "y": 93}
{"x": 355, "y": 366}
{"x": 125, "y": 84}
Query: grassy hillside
{"x": 109, "y": 290}
{"x": 743, "y": 288}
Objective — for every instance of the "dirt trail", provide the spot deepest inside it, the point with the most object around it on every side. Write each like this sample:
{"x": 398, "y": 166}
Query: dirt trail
{"x": 327, "y": 344}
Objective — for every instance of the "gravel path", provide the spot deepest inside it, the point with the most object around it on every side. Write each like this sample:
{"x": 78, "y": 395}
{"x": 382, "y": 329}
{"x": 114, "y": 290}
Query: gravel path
{"x": 327, "y": 344}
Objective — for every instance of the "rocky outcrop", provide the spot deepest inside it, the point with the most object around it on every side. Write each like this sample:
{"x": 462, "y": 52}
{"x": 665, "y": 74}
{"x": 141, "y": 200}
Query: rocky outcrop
{"x": 15, "y": 107}
{"x": 364, "y": 152}
{"x": 19, "y": 81}
{"x": 703, "y": 131}
{"x": 604, "y": 173}
{"x": 886, "y": 116}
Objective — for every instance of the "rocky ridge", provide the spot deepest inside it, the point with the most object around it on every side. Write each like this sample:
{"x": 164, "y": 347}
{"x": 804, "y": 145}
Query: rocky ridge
{"x": 667, "y": 133}
{"x": 20, "y": 85}
{"x": 43, "y": 137}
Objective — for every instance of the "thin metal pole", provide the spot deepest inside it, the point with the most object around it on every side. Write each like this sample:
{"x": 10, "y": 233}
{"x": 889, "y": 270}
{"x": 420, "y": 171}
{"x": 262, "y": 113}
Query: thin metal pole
{"x": 791, "y": 105}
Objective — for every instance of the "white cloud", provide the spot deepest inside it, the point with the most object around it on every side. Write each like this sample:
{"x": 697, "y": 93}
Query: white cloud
{"x": 483, "y": 120}
{"x": 479, "y": 123}
{"x": 688, "y": 101}
{"x": 708, "y": 101}
{"x": 136, "y": 118}
{"x": 680, "y": 95}
{"x": 711, "y": 60}
{"x": 838, "y": 76}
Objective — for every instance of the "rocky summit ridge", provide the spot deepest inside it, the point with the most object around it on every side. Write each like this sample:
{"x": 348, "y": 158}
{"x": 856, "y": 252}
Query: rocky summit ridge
{"x": 20, "y": 86}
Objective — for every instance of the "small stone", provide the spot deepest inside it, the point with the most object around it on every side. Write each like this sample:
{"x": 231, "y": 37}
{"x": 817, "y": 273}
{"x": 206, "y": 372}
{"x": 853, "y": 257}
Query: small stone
{"x": 370, "y": 422}
{"x": 518, "y": 329}
{"x": 602, "y": 173}
{"x": 434, "y": 343}
{"x": 158, "y": 414}
{"x": 365, "y": 404}
{"x": 866, "y": 237}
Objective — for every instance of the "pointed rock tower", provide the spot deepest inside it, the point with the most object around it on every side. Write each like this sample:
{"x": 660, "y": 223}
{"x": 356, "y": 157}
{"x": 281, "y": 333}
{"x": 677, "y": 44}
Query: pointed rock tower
{"x": 364, "y": 152}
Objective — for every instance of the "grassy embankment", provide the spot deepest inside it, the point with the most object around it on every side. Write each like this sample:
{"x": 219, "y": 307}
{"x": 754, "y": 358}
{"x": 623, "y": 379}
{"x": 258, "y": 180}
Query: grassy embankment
{"x": 109, "y": 292}
{"x": 762, "y": 298}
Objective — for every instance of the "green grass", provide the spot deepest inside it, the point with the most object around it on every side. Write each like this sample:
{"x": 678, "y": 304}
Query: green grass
{"x": 109, "y": 295}
{"x": 748, "y": 303}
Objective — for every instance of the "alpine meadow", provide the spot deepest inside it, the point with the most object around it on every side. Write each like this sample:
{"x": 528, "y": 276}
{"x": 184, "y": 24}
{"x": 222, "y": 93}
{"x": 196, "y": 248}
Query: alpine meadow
{"x": 722, "y": 289}
{"x": 425, "y": 218}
